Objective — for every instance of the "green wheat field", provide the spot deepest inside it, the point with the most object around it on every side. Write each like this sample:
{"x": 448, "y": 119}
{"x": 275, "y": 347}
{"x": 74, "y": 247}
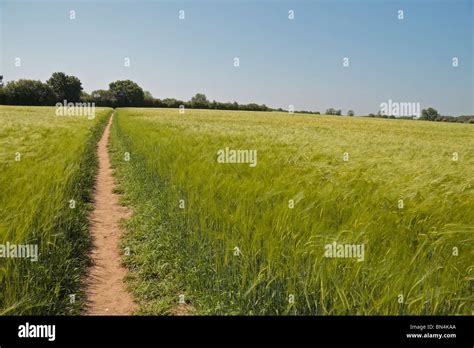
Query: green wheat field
{"x": 222, "y": 237}
{"x": 45, "y": 162}
{"x": 231, "y": 238}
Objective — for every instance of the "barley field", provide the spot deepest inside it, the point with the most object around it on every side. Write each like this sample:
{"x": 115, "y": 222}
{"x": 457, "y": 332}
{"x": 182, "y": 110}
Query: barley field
{"x": 236, "y": 238}
{"x": 47, "y": 171}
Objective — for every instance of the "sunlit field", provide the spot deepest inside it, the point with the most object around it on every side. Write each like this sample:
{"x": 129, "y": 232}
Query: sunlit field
{"x": 252, "y": 238}
{"x": 47, "y": 170}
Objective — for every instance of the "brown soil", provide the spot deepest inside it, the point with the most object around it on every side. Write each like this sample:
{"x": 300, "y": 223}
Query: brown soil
{"x": 183, "y": 309}
{"x": 106, "y": 293}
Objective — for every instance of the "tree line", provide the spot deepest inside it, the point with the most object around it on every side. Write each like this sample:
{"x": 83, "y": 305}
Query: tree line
{"x": 330, "y": 111}
{"x": 429, "y": 114}
{"x": 60, "y": 87}
{"x": 122, "y": 93}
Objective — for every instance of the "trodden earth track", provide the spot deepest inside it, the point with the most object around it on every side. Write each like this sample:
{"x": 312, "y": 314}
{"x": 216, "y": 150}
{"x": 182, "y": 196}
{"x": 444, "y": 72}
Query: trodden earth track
{"x": 105, "y": 290}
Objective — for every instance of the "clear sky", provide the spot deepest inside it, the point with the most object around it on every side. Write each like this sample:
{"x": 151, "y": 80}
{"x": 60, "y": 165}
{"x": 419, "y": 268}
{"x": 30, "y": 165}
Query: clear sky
{"x": 282, "y": 61}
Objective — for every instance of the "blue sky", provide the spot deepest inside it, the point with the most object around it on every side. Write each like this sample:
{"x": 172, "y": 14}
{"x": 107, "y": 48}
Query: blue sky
{"x": 282, "y": 61}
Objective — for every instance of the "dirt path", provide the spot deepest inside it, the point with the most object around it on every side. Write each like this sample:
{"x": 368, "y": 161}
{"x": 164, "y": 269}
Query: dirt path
{"x": 106, "y": 294}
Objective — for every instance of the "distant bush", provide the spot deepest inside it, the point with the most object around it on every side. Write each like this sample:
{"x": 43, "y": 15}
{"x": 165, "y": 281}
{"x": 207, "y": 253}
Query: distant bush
{"x": 126, "y": 93}
{"x": 28, "y": 92}
{"x": 2, "y": 95}
{"x": 102, "y": 97}
{"x": 236, "y": 106}
{"x": 429, "y": 114}
{"x": 148, "y": 100}
{"x": 332, "y": 111}
{"x": 308, "y": 112}
{"x": 172, "y": 103}
{"x": 199, "y": 101}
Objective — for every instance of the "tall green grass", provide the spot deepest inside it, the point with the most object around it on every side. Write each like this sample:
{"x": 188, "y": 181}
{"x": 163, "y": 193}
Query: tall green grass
{"x": 58, "y": 164}
{"x": 408, "y": 251}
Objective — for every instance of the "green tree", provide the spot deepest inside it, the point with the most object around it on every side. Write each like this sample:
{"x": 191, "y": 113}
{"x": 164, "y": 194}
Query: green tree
{"x": 172, "y": 103}
{"x": 126, "y": 93}
{"x": 148, "y": 100}
{"x": 65, "y": 87}
{"x": 199, "y": 101}
{"x": 102, "y": 97}
{"x": 350, "y": 113}
{"x": 429, "y": 114}
{"x": 28, "y": 92}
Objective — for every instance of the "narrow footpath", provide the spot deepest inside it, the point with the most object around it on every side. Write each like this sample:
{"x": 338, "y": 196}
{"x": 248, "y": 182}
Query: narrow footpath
{"x": 106, "y": 293}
